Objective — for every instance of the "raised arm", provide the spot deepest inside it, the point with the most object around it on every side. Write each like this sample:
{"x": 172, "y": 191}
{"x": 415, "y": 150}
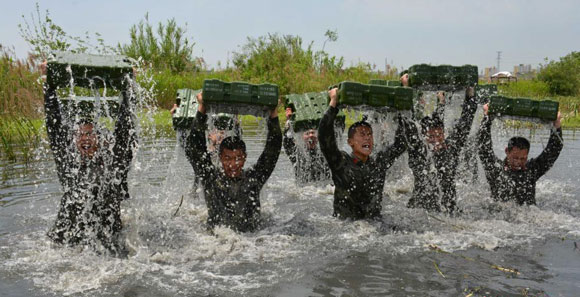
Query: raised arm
{"x": 490, "y": 162}
{"x": 389, "y": 154}
{"x": 458, "y": 137}
{"x": 269, "y": 157}
{"x": 196, "y": 148}
{"x": 550, "y": 154}
{"x": 326, "y": 136}
{"x": 125, "y": 133}
{"x": 289, "y": 145}
{"x": 59, "y": 134}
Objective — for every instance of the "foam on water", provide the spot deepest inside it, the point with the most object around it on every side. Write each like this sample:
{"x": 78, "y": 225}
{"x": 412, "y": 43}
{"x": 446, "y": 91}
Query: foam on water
{"x": 171, "y": 253}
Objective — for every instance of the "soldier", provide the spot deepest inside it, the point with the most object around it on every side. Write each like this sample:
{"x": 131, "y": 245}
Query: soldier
{"x": 515, "y": 177}
{"x": 435, "y": 165}
{"x": 232, "y": 194}
{"x": 308, "y": 162}
{"x": 358, "y": 178}
{"x": 92, "y": 171}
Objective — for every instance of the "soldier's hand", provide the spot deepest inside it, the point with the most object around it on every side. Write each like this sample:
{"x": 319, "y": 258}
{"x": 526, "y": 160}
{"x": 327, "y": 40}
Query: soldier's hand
{"x": 441, "y": 97}
{"x": 485, "y": 108}
{"x": 405, "y": 80}
{"x": 43, "y": 69}
{"x": 200, "y": 105}
{"x": 333, "y": 94}
{"x": 470, "y": 92}
{"x": 172, "y": 110}
{"x": 558, "y": 121}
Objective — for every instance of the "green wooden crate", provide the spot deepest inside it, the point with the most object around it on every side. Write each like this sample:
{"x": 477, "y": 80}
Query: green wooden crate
{"x": 308, "y": 109}
{"x": 186, "y": 108}
{"x": 484, "y": 92}
{"x": 357, "y": 94}
{"x": 383, "y": 82}
{"x": 85, "y": 107}
{"x": 87, "y": 70}
{"x": 442, "y": 76}
{"x": 523, "y": 107}
{"x": 235, "y": 93}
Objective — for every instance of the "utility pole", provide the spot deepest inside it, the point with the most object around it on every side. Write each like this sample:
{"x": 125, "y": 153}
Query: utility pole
{"x": 498, "y": 60}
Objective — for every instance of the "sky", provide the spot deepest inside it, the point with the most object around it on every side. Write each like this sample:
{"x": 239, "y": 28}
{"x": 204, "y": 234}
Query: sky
{"x": 403, "y": 33}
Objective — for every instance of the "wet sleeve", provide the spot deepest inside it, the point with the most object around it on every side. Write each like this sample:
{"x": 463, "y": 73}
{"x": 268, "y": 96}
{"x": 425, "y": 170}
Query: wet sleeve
{"x": 327, "y": 139}
{"x": 490, "y": 162}
{"x": 125, "y": 133}
{"x": 549, "y": 155}
{"x": 289, "y": 145}
{"x": 57, "y": 131}
{"x": 269, "y": 157}
{"x": 196, "y": 148}
{"x": 461, "y": 130}
{"x": 388, "y": 156}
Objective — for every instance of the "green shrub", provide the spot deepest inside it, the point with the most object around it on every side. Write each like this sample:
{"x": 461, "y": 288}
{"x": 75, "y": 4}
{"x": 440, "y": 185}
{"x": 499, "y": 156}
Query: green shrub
{"x": 563, "y": 77}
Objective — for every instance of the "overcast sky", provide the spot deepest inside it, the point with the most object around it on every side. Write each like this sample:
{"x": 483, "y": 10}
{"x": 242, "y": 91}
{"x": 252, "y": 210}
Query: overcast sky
{"x": 404, "y": 32}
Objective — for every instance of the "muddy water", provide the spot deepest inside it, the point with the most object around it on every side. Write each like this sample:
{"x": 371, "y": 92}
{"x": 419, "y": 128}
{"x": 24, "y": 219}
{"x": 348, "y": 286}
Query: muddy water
{"x": 490, "y": 249}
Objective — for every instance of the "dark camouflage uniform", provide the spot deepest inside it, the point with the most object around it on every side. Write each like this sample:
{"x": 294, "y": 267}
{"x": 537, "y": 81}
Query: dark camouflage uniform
{"x": 93, "y": 188}
{"x": 358, "y": 191}
{"x": 516, "y": 185}
{"x": 233, "y": 202}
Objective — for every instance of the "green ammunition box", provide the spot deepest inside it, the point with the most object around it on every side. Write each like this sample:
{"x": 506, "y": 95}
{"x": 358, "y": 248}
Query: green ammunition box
{"x": 436, "y": 77}
{"x": 186, "y": 108}
{"x": 86, "y": 107}
{"x": 379, "y": 96}
{"x": 523, "y": 107}
{"x": 85, "y": 70}
{"x": 403, "y": 98}
{"x": 548, "y": 110}
{"x": 484, "y": 92}
{"x": 216, "y": 92}
{"x": 355, "y": 94}
{"x": 308, "y": 109}
{"x": 352, "y": 93}
{"x": 267, "y": 95}
{"x": 499, "y": 105}
{"x": 382, "y": 82}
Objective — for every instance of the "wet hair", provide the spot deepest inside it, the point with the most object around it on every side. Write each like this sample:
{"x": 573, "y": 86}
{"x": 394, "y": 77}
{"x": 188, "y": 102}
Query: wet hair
{"x": 85, "y": 121}
{"x": 404, "y": 72}
{"x": 519, "y": 142}
{"x": 352, "y": 128}
{"x": 428, "y": 123}
{"x": 232, "y": 143}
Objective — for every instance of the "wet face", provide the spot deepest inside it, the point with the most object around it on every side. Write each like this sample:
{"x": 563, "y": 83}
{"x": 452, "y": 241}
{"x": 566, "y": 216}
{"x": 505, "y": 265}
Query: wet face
{"x": 310, "y": 138}
{"x": 516, "y": 158}
{"x": 362, "y": 142}
{"x": 435, "y": 137}
{"x": 86, "y": 140}
{"x": 233, "y": 162}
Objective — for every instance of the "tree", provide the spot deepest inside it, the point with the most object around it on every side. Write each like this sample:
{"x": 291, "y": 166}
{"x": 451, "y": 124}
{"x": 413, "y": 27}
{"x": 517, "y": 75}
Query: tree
{"x": 563, "y": 77}
{"x": 45, "y": 37}
{"x": 167, "y": 48}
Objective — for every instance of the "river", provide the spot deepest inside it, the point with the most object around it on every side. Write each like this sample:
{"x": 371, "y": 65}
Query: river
{"x": 490, "y": 249}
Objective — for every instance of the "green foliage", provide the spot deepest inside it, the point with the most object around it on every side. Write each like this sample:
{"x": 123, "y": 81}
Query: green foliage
{"x": 20, "y": 90}
{"x": 563, "y": 77}
{"x": 526, "y": 88}
{"x": 167, "y": 48}
{"x": 44, "y": 37}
